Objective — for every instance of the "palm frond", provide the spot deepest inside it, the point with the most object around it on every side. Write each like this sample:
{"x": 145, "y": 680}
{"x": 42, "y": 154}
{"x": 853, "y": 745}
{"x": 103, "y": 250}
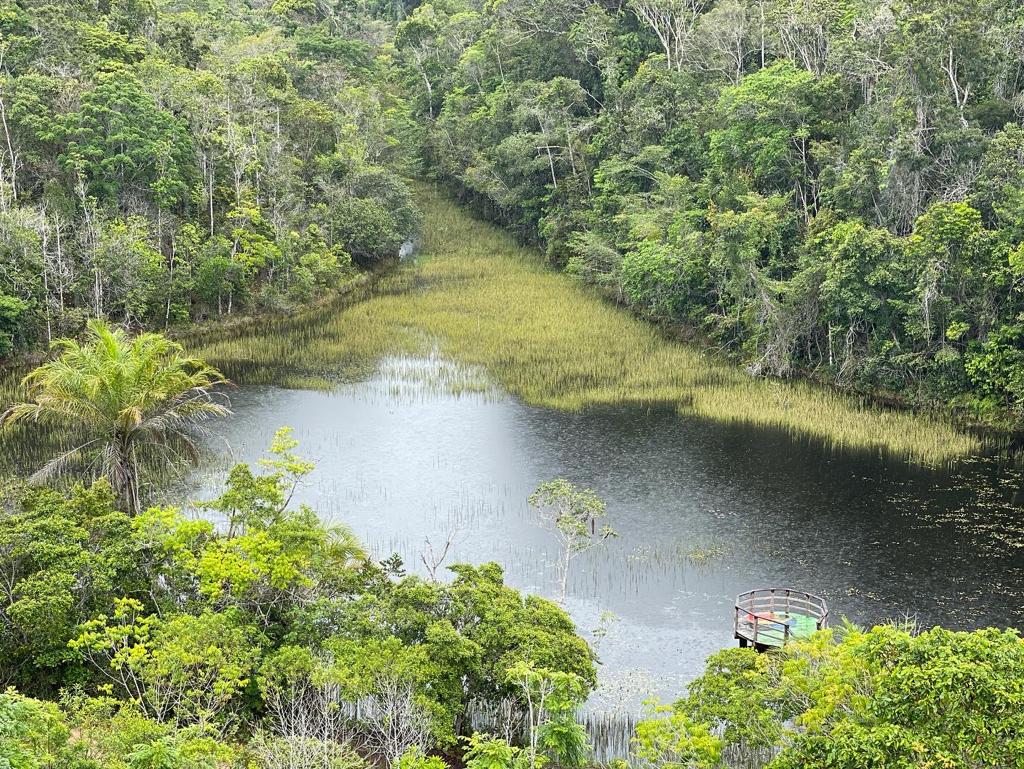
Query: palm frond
{"x": 62, "y": 464}
{"x": 127, "y": 395}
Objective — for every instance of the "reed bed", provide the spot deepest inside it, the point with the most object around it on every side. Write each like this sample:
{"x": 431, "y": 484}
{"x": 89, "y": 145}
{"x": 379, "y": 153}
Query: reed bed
{"x": 25, "y": 447}
{"x": 480, "y": 299}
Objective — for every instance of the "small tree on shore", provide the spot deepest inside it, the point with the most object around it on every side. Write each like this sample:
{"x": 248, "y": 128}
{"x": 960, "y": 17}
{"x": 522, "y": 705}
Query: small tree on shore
{"x": 573, "y": 515}
{"x": 552, "y": 698}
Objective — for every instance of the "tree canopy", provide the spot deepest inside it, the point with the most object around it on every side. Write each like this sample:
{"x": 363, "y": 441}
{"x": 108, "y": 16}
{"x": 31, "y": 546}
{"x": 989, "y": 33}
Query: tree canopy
{"x": 165, "y": 162}
{"x": 829, "y": 189}
{"x": 180, "y": 642}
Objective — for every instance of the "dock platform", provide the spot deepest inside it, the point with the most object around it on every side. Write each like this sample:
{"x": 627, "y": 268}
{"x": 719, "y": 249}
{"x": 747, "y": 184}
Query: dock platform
{"x": 771, "y": 617}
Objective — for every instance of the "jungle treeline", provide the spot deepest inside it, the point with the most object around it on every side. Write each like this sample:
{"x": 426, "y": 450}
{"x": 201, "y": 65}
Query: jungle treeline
{"x": 165, "y": 162}
{"x": 828, "y": 188}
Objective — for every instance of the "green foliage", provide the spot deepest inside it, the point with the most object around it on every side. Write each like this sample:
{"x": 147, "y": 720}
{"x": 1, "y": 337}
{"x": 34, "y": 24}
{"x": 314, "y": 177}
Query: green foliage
{"x": 651, "y": 274}
{"x": 768, "y": 121}
{"x": 126, "y": 400}
{"x": 735, "y": 691}
{"x": 891, "y": 697}
{"x": 12, "y": 311}
{"x": 120, "y": 142}
{"x": 370, "y": 211}
{"x": 553, "y": 699}
{"x": 953, "y": 257}
{"x": 674, "y": 741}
{"x": 451, "y": 644}
{"x": 128, "y": 269}
{"x": 484, "y": 752}
{"x": 573, "y": 513}
{"x": 808, "y": 197}
{"x": 31, "y": 732}
{"x": 190, "y": 670}
{"x": 415, "y": 758}
{"x": 996, "y": 369}
{"x": 120, "y": 736}
{"x": 273, "y": 556}
{"x": 852, "y": 698}
{"x": 188, "y": 165}
{"x": 65, "y": 557}
{"x": 172, "y": 642}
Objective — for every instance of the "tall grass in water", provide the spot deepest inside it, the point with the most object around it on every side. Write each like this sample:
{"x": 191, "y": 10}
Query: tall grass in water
{"x": 25, "y": 447}
{"x": 482, "y": 300}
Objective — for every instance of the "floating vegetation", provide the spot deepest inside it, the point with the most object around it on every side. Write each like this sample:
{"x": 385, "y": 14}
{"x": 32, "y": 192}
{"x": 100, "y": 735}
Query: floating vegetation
{"x": 409, "y": 378}
{"x": 704, "y": 556}
{"x": 478, "y": 298}
{"x": 670, "y": 555}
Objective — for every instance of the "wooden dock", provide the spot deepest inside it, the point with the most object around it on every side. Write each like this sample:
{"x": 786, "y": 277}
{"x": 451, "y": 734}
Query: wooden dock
{"x": 771, "y": 617}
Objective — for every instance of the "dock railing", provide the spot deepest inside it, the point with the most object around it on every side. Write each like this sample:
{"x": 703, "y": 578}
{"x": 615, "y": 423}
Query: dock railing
{"x": 766, "y": 617}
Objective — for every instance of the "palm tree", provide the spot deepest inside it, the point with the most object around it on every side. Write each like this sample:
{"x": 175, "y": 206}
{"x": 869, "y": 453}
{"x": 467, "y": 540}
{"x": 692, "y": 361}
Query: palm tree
{"x": 130, "y": 402}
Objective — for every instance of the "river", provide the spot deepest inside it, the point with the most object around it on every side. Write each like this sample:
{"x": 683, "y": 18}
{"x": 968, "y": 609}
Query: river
{"x": 703, "y": 511}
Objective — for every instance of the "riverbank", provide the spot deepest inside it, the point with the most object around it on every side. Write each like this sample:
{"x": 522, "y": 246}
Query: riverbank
{"x": 996, "y": 428}
{"x": 478, "y": 297}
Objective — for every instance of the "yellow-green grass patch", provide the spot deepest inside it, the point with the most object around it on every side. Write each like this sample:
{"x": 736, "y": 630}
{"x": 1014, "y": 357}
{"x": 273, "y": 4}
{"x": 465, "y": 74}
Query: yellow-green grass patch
{"x": 482, "y": 300}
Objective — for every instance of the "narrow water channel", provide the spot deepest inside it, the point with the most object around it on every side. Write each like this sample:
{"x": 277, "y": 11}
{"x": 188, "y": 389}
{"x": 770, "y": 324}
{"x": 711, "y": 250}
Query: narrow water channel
{"x": 703, "y": 511}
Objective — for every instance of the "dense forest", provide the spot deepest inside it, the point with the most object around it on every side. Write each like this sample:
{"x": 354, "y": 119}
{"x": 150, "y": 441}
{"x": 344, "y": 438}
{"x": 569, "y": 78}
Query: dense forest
{"x": 827, "y": 187}
{"x": 175, "y": 161}
{"x": 831, "y": 189}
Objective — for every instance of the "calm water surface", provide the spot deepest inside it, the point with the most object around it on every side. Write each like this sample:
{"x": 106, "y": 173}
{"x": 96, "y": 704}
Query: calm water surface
{"x": 402, "y": 463}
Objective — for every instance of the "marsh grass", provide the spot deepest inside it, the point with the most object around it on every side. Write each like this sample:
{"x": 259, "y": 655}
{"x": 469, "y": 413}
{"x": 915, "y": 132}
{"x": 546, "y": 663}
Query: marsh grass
{"x": 480, "y": 299}
{"x": 25, "y": 447}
